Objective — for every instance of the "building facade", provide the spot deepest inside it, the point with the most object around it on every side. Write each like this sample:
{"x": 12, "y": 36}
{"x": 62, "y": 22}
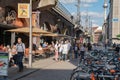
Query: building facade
{"x": 113, "y": 21}
{"x": 49, "y": 15}
{"x": 97, "y": 34}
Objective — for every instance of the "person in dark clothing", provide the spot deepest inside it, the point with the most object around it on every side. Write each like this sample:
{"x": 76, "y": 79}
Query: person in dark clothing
{"x": 84, "y": 45}
{"x": 117, "y": 49}
{"x": 34, "y": 47}
{"x": 114, "y": 45}
{"x": 89, "y": 46}
{"x": 105, "y": 45}
{"x": 76, "y": 51}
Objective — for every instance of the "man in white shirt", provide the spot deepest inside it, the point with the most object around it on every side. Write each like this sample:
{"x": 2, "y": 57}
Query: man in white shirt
{"x": 65, "y": 51}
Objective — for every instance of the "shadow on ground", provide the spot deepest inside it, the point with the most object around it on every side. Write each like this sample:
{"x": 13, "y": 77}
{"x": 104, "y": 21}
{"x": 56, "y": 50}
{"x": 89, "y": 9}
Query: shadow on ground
{"x": 51, "y": 71}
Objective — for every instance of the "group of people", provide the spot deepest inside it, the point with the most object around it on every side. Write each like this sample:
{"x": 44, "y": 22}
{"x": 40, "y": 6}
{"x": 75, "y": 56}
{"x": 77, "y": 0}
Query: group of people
{"x": 79, "y": 50}
{"x": 62, "y": 50}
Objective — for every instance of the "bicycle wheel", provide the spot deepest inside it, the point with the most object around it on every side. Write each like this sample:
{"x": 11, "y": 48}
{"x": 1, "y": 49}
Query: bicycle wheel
{"x": 77, "y": 68}
{"x": 82, "y": 68}
{"x": 80, "y": 75}
{"x": 94, "y": 54}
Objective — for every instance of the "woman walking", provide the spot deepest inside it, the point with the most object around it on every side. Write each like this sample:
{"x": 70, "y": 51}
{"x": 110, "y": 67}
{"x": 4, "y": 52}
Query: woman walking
{"x": 56, "y": 51}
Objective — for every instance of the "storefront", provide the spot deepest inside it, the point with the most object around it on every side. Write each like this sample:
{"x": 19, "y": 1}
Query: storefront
{"x": 9, "y": 20}
{"x": 5, "y": 38}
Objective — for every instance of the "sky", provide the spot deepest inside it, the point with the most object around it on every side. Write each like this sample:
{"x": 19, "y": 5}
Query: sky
{"x": 94, "y": 9}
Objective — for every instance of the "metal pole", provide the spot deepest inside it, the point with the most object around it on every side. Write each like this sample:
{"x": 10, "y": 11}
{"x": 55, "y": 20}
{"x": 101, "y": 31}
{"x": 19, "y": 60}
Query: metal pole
{"x": 105, "y": 17}
{"x": 78, "y": 12}
{"x": 30, "y": 37}
{"x": 12, "y": 38}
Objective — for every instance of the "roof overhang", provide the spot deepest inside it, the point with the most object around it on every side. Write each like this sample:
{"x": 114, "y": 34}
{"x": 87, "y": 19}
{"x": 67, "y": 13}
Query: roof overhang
{"x": 44, "y": 4}
{"x": 7, "y": 26}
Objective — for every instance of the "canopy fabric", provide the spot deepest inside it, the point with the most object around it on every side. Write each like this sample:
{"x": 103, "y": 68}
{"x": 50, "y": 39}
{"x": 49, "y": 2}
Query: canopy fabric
{"x": 51, "y": 35}
{"x": 54, "y": 35}
{"x": 26, "y": 30}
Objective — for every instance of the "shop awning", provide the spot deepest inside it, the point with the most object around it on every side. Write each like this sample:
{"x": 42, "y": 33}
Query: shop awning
{"x": 54, "y": 35}
{"x": 51, "y": 35}
{"x": 7, "y": 26}
{"x": 26, "y": 30}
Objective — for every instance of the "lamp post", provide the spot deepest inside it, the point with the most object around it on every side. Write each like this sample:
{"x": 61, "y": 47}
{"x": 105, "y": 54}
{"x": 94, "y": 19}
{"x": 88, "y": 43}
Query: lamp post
{"x": 105, "y": 6}
{"x": 78, "y": 13}
{"x": 30, "y": 36}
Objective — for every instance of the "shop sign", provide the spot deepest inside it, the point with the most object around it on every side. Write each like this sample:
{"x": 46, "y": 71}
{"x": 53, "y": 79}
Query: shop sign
{"x": 23, "y": 10}
{"x": 115, "y": 20}
{"x": 3, "y": 64}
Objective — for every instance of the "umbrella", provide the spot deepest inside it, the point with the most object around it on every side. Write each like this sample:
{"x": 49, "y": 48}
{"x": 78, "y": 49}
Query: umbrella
{"x": 26, "y": 30}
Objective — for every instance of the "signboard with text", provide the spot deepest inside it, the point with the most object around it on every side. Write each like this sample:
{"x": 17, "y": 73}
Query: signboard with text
{"x": 23, "y": 10}
{"x": 3, "y": 64}
{"x": 115, "y": 20}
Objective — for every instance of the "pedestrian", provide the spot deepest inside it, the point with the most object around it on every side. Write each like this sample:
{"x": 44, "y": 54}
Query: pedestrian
{"x": 13, "y": 61}
{"x": 82, "y": 52}
{"x": 95, "y": 47}
{"x": 76, "y": 51}
{"x": 114, "y": 45}
{"x": 65, "y": 51}
{"x": 84, "y": 44}
{"x": 60, "y": 50}
{"x": 34, "y": 47}
{"x": 56, "y": 51}
{"x": 1, "y": 48}
{"x": 117, "y": 49}
{"x": 89, "y": 46}
{"x": 69, "y": 47}
{"x": 44, "y": 45}
{"x": 20, "y": 47}
{"x": 105, "y": 45}
{"x": 8, "y": 50}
